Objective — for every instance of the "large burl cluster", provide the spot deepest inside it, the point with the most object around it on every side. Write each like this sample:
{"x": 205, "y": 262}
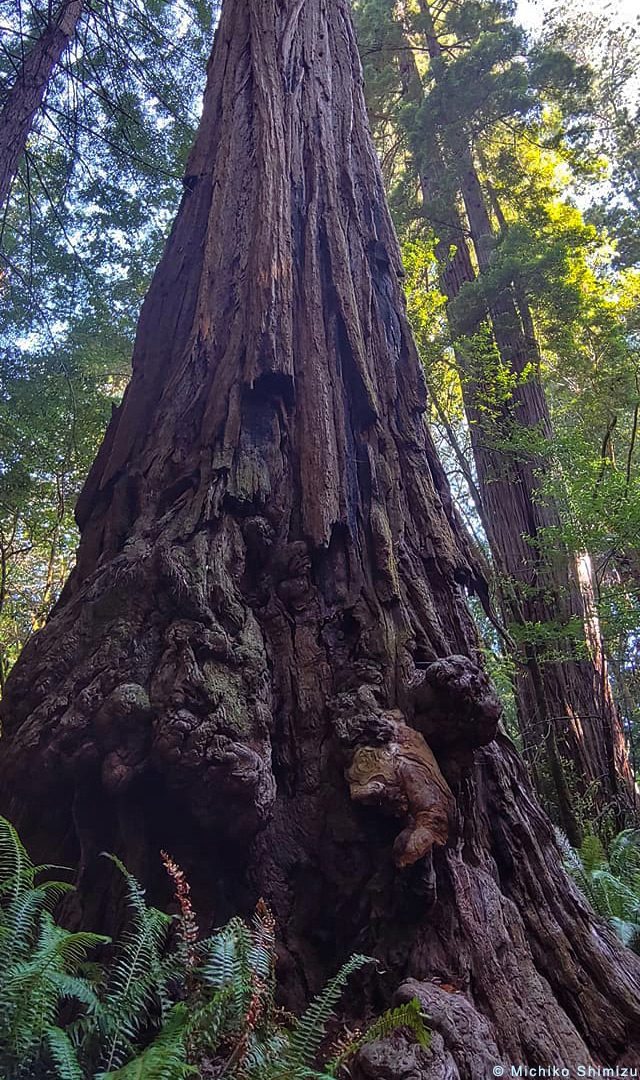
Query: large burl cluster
{"x": 392, "y": 765}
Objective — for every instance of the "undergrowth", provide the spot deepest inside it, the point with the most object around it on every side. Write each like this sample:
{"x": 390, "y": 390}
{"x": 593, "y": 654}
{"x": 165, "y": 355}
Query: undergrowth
{"x": 609, "y": 879}
{"x": 165, "y": 1004}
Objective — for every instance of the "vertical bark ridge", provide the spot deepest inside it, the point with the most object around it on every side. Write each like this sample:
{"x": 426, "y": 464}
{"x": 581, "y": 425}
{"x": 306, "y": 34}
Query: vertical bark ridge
{"x": 269, "y": 593}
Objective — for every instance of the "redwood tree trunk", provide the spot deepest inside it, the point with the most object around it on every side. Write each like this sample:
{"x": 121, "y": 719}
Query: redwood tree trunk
{"x": 568, "y": 718}
{"x": 565, "y": 702}
{"x": 27, "y": 93}
{"x": 267, "y": 598}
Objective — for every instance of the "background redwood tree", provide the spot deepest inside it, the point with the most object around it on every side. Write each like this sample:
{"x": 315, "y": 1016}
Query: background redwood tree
{"x": 27, "y": 93}
{"x": 572, "y": 734}
{"x": 269, "y": 584}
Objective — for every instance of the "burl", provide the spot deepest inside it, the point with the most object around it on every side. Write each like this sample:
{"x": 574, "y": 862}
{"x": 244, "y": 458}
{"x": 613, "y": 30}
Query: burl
{"x": 402, "y": 777}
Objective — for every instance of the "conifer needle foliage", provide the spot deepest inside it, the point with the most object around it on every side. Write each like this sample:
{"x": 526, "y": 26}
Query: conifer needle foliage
{"x": 164, "y": 1005}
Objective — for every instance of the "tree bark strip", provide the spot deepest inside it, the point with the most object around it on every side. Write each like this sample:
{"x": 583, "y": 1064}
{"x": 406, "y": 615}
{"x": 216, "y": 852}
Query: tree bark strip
{"x": 268, "y": 594}
{"x": 27, "y": 94}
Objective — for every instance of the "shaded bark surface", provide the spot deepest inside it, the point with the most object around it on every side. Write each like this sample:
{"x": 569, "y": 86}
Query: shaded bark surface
{"x": 567, "y": 714}
{"x": 269, "y": 584}
{"x": 28, "y": 91}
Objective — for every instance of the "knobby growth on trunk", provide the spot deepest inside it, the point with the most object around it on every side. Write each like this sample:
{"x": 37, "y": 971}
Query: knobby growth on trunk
{"x": 266, "y": 634}
{"x": 26, "y": 95}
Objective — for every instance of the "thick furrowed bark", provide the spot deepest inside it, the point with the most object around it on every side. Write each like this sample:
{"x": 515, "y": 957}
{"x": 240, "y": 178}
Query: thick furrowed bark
{"x": 268, "y": 593}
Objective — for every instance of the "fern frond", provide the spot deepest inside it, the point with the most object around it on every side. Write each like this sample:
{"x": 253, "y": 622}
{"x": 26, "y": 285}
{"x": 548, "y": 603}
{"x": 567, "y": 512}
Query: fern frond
{"x": 135, "y": 892}
{"x": 628, "y": 932}
{"x": 266, "y": 1059}
{"x": 75, "y": 988}
{"x": 408, "y": 1016}
{"x": 64, "y": 1055}
{"x": 310, "y": 1028}
{"x": 20, "y": 918}
{"x": 16, "y": 869}
{"x": 32, "y": 989}
{"x": 209, "y": 1022}
{"x": 155, "y": 1063}
{"x": 138, "y": 975}
{"x": 263, "y": 948}
{"x": 592, "y": 853}
{"x": 46, "y": 868}
{"x": 615, "y": 899}
{"x": 227, "y": 964}
{"x": 218, "y": 959}
{"x": 624, "y": 856}
{"x": 139, "y": 954}
{"x": 164, "y": 1059}
{"x": 70, "y": 948}
{"x": 575, "y": 868}
{"x": 55, "y": 950}
{"x": 612, "y": 887}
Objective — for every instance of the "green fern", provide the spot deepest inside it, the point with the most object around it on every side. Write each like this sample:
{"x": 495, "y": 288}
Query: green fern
{"x": 124, "y": 1020}
{"x": 209, "y": 1022}
{"x": 310, "y": 1029}
{"x": 137, "y": 979}
{"x": 40, "y": 961}
{"x": 16, "y": 868}
{"x": 404, "y": 1016}
{"x": 592, "y": 853}
{"x": 64, "y": 1056}
{"x": 21, "y": 900}
{"x": 609, "y": 880}
{"x": 624, "y": 855}
{"x": 628, "y": 932}
{"x": 262, "y": 951}
{"x": 33, "y": 989}
{"x": 164, "y": 1058}
{"x": 20, "y": 918}
{"x": 233, "y": 961}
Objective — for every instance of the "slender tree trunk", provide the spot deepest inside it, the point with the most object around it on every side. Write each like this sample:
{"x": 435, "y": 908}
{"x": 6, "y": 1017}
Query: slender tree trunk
{"x": 27, "y": 93}
{"x": 264, "y": 643}
{"x": 568, "y": 718}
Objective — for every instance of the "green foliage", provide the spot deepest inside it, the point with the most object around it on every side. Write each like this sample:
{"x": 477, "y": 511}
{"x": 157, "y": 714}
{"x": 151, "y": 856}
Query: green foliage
{"x": 63, "y": 1054}
{"x": 41, "y": 962}
{"x": 455, "y": 89}
{"x": 137, "y": 982}
{"x": 153, "y": 1010}
{"x": 404, "y": 1016}
{"x": 164, "y": 1058}
{"x": 610, "y": 44}
{"x": 610, "y": 879}
{"x": 83, "y": 230}
{"x": 310, "y": 1029}
{"x": 53, "y": 409}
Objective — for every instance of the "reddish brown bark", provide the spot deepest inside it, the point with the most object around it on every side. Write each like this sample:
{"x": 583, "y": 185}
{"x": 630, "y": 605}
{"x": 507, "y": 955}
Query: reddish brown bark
{"x": 28, "y": 91}
{"x": 564, "y": 705}
{"x": 268, "y": 584}
{"x": 568, "y": 718}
